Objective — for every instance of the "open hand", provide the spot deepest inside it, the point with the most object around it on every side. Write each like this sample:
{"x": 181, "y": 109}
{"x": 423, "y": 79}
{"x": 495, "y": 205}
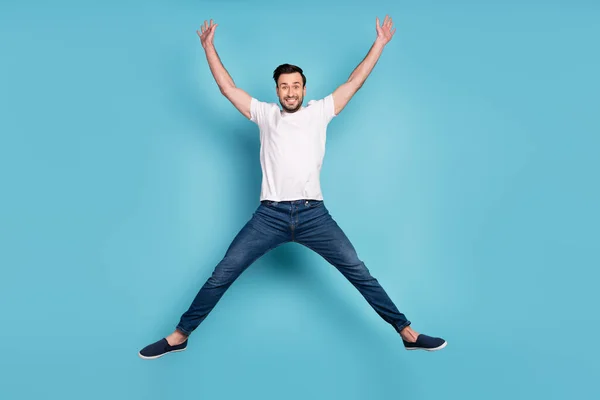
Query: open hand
{"x": 385, "y": 31}
{"x": 207, "y": 33}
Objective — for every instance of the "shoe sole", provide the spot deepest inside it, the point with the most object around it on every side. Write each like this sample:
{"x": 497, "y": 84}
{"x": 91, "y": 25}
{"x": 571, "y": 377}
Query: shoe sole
{"x": 432, "y": 349}
{"x": 160, "y": 355}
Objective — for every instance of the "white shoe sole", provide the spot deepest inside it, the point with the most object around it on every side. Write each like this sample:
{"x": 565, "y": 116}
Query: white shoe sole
{"x": 433, "y": 349}
{"x": 154, "y": 357}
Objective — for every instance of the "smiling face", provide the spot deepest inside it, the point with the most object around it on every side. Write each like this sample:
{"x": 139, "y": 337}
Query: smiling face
{"x": 291, "y": 91}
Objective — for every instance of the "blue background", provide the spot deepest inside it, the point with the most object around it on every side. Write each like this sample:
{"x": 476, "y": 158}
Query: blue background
{"x": 465, "y": 172}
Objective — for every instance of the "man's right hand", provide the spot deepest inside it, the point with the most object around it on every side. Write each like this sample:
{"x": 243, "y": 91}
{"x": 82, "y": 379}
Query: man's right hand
{"x": 239, "y": 98}
{"x": 207, "y": 33}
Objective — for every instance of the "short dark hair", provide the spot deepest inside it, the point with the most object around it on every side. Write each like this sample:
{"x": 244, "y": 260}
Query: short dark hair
{"x": 288, "y": 69}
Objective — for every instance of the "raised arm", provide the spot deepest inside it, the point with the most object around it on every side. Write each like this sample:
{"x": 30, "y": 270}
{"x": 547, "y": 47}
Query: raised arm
{"x": 240, "y": 99}
{"x": 343, "y": 94}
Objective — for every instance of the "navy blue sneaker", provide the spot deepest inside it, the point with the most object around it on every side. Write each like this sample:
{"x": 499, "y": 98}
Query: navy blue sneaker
{"x": 425, "y": 342}
{"x": 160, "y": 348}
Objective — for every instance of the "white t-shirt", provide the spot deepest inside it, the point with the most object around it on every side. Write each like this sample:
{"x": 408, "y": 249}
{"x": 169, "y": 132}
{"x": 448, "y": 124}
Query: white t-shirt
{"x": 292, "y": 148}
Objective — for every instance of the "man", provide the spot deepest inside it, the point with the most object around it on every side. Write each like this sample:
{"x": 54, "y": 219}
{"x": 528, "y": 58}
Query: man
{"x": 292, "y": 208}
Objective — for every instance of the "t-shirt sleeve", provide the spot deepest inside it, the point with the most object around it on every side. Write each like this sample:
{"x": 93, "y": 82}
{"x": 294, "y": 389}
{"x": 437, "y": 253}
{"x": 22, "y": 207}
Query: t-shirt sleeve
{"x": 325, "y": 108}
{"x": 329, "y": 108}
{"x": 258, "y": 111}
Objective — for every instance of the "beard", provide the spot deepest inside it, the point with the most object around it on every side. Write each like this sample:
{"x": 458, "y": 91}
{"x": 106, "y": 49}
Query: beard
{"x": 294, "y": 106}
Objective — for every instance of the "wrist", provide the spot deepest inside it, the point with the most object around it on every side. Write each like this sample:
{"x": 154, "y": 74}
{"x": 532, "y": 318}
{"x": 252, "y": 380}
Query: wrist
{"x": 380, "y": 43}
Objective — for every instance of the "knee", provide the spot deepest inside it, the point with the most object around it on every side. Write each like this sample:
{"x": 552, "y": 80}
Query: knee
{"x": 347, "y": 256}
{"x": 220, "y": 279}
{"x": 353, "y": 265}
{"x": 225, "y": 273}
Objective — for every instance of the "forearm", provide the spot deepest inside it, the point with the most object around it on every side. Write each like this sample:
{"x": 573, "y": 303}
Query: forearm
{"x": 222, "y": 77}
{"x": 362, "y": 71}
{"x": 344, "y": 92}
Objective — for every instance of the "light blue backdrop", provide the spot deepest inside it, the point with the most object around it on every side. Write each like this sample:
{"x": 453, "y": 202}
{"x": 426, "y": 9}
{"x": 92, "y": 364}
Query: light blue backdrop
{"x": 465, "y": 172}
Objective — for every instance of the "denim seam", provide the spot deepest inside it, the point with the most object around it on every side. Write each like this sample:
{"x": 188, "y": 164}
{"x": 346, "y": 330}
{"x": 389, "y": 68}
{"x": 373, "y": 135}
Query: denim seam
{"x": 292, "y": 228}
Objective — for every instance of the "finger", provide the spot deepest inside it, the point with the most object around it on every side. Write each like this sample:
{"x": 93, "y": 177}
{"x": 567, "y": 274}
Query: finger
{"x": 385, "y": 20}
{"x": 205, "y": 25}
{"x": 211, "y": 23}
{"x": 393, "y": 31}
{"x": 377, "y": 22}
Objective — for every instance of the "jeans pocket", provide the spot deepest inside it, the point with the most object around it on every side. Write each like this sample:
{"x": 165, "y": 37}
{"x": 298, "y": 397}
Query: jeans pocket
{"x": 313, "y": 203}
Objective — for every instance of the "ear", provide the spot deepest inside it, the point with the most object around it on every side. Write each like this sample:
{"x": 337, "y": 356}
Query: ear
{"x": 304, "y": 92}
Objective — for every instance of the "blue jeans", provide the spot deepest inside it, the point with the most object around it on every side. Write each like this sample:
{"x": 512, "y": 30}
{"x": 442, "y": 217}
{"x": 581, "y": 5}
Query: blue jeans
{"x": 307, "y": 222}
